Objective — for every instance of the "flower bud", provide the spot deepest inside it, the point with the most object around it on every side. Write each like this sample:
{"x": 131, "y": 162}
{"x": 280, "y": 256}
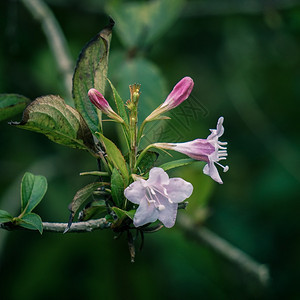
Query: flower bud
{"x": 180, "y": 92}
{"x": 101, "y": 103}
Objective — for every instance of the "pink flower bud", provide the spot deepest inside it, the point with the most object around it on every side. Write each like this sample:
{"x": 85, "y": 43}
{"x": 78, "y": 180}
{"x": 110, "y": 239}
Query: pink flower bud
{"x": 180, "y": 92}
{"x": 99, "y": 101}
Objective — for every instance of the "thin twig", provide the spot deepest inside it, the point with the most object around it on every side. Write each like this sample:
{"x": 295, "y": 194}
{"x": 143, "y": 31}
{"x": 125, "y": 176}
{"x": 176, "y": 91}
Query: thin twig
{"x": 80, "y": 227}
{"x": 86, "y": 226}
{"x": 56, "y": 40}
{"x": 226, "y": 250}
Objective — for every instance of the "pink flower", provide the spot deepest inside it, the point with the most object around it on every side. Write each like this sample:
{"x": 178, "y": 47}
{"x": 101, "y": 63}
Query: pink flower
{"x": 180, "y": 92}
{"x": 158, "y": 197}
{"x": 210, "y": 150}
{"x": 101, "y": 103}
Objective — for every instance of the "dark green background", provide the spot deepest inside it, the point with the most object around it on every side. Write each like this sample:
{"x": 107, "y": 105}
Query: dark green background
{"x": 244, "y": 57}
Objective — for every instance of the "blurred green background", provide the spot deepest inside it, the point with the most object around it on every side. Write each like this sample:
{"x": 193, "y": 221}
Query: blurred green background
{"x": 244, "y": 57}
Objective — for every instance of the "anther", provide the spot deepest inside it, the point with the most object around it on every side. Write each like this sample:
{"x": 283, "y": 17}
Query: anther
{"x": 161, "y": 207}
{"x": 225, "y": 169}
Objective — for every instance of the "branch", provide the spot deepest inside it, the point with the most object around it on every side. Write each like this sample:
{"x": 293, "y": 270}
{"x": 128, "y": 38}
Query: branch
{"x": 56, "y": 39}
{"x": 79, "y": 227}
{"x": 226, "y": 250}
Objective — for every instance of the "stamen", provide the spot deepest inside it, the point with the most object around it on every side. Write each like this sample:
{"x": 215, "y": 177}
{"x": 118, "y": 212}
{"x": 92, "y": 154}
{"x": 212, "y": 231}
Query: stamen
{"x": 225, "y": 169}
{"x": 222, "y": 152}
{"x": 222, "y": 143}
{"x": 165, "y": 192}
{"x": 154, "y": 191}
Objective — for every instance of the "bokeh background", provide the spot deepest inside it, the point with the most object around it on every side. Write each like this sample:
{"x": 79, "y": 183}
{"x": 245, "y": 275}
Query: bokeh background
{"x": 244, "y": 57}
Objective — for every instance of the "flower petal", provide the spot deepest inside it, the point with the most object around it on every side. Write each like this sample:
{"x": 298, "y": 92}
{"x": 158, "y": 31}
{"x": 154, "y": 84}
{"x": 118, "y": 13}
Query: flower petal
{"x": 179, "y": 190}
{"x": 157, "y": 176}
{"x": 136, "y": 191}
{"x": 211, "y": 170}
{"x": 168, "y": 215}
{"x": 146, "y": 213}
{"x": 216, "y": 133}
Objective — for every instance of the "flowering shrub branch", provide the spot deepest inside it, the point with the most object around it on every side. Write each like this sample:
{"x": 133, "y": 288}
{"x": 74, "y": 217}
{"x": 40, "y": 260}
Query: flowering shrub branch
{"x": 130, "y": 191}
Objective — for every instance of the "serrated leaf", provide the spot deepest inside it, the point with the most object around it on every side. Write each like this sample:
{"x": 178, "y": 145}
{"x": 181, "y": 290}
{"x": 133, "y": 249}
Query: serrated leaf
{"x": 58, "y": 121}
{"x": 115, "y": 156}
{"x": 119, "y": 103}
{"x": 11, "y": 105}
{"x": 83, "y": 194}
{"x": 5, "y": 216}
{"x": 147, "y": 162}
{"x": 90, "y": 72}
{"x": 32, "y": 221}
{"x": 117, "y": 188}
{"x": 177, "y": 163}
{"x": 33, "y": 189}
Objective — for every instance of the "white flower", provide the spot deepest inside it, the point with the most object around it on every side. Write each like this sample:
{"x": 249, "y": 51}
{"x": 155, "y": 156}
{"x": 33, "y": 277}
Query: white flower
{"x": 158, "y": 197}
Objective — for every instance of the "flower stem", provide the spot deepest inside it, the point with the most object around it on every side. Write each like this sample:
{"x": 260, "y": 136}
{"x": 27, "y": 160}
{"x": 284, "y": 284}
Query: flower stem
{"x": 133, "y": 138}
{"x": 132, "y": 106}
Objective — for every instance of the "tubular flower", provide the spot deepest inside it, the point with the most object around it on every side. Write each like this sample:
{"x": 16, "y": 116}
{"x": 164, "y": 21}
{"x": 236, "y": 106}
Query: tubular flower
{"x": 210, "y": 150}
{"x": 158, "y": 197}
{"x": 180, "y": 92}
{"x": 101, "y": 103}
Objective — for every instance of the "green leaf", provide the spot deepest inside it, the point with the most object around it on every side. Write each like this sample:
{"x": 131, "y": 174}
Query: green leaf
{"x": 90, "y": 72}
{"x": 115, "y": 156}
{"x": 177, "y": 163}
{"x": 121, "y": 214}
{"x": 11, "y": 105}
{"x": 95, "y": 210}
{"x": 119, "y": 103}
{"x": 147, "y": 162}
{"x": 33, "y": 189}
{"x": 138, "y": 24}
{"x": 58, "y": 121}
{"x": 117, "y": 188}
{"x": 83, "y": 194}
{"x": 5, "y": 216}
{"x": 32, "y": 221}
